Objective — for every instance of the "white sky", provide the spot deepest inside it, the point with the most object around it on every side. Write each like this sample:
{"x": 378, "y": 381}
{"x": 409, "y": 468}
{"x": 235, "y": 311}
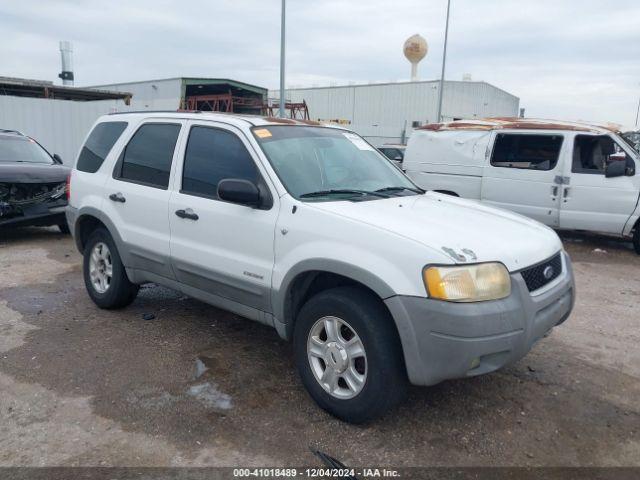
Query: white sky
{"x": 565, "y": 59}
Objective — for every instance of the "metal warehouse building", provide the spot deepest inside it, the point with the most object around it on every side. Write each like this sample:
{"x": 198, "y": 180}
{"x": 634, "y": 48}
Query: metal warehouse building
{"x": 59, "y": 117}
{"x": 207, "y": 94}
{"x": 387, "y": 112}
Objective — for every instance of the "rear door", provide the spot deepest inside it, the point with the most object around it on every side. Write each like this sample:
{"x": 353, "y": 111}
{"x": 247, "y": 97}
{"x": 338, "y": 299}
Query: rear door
{"x": 524, "y": 174}
{"x": 221, "y": 248}
{"x": 590, "y": 201}
{"x": 137, "y": 194}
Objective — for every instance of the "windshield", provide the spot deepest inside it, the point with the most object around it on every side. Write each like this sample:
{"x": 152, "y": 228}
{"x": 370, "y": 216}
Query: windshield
{"x": 633, "y": 139}
{"x": 22, "y": 150}
{"x": 322, "y": 163}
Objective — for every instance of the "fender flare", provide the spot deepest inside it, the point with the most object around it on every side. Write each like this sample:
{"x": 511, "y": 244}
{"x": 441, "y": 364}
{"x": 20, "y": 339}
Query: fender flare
{"x": 113, "y": 231}
{"x": 279, "y": 297}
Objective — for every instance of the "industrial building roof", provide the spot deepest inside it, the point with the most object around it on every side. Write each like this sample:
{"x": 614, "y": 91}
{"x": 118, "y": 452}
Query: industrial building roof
{"x": 399, "y": 83}
{"x": 197, "y": 81}
{"x": 23, "y": 87}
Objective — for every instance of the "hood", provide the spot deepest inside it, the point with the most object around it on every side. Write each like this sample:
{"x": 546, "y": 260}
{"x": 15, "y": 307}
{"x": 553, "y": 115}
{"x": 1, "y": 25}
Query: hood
{"x": 32, "y": 172}
{"x": 464, "y": 230}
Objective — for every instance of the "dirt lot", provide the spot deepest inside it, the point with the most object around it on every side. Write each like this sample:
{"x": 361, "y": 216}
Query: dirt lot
{"x": 198, "y": 386}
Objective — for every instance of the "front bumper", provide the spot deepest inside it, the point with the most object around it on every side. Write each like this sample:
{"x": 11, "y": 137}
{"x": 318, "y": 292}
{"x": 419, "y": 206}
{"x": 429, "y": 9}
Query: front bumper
{"x": 40, "y": 214}
{"x": 443, "y": 340}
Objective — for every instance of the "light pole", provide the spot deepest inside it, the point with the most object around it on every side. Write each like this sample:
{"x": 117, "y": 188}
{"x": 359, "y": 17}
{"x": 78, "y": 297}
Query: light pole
{"x": 282, "y": 52}
{"x": 444, "y": 61}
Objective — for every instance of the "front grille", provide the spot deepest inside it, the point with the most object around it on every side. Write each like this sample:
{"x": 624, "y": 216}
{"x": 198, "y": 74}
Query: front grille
{"x": 535, "y": 277}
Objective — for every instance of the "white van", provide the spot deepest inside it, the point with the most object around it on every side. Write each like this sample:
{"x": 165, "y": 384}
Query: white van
{"x": 567, "y": 175}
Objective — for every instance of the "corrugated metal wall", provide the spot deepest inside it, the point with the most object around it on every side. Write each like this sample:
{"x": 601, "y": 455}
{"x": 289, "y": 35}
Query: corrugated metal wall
{"x": 59, "y": 125}
{"x": 381, "y": 111}
{"x": 152, "y": 94}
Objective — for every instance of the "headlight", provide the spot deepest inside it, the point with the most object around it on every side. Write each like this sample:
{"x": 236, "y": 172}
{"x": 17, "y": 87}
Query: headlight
{"x": 468, "y": 283}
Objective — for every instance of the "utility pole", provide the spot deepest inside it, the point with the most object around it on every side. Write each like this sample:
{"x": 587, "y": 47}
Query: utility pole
{"x": 282, "y": 52}
{"x": 444, "y": 61}
{"x": 638, "y": 113}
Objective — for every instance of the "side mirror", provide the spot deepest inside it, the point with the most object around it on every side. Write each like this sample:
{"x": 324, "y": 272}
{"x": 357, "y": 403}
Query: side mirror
{"x": 615, "y": 169}
{"x": 239, "y": 191}
{"x": 57, "y": 159}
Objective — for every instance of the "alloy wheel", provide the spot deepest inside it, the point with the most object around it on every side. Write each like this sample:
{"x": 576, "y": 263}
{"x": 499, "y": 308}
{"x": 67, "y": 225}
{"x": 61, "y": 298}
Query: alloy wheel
{"x": 337, "y": 357}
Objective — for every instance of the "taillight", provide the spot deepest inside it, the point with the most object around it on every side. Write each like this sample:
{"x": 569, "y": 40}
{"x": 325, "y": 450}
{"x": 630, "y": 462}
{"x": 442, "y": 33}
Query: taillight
{"x": 68, "y": 187}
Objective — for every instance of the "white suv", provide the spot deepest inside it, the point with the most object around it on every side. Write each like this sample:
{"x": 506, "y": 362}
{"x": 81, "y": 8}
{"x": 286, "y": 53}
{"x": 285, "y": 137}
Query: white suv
{"x": 309, "y": 229}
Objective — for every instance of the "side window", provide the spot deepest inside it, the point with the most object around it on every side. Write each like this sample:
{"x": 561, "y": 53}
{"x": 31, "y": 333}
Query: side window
{"x": 147, "y": 157}
{"x": 98, "y": 145}
{"x": 529, "y": 152}
{"x": 391, "y": 153}
{"x": 213, "y": 155}
{"x": 591, "y": 153}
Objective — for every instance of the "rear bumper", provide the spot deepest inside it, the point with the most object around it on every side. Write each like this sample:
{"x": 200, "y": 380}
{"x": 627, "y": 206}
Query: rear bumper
{"x": 72, "y": 217}
{"x": 43, "y": 214}
{"x": 443, "y": 340}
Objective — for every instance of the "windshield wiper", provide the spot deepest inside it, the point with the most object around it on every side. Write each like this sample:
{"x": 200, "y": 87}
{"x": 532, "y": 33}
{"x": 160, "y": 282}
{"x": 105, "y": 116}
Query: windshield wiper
{"x": 399, "y": 189}
{"x": 322, "y": 193}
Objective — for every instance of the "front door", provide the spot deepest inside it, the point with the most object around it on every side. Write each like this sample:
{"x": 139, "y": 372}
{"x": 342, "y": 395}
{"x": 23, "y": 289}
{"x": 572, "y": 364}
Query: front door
{"x": 523, "y": 174}
{"x": 221, "y": 248}
{"x": 137, "y": 195}
{"x": 590, "y": 201}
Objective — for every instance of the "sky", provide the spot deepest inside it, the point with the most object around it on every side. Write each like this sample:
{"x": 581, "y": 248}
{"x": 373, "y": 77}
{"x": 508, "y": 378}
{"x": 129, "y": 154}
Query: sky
{"x": 565, "y": 59}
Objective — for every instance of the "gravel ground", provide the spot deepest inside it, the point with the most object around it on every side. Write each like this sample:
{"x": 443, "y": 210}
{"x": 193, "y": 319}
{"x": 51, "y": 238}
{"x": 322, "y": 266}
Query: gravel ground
{"x": 198, "y": 386}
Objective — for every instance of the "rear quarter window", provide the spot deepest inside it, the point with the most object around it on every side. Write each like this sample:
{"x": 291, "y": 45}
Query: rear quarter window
{"x": 98, "y": 145}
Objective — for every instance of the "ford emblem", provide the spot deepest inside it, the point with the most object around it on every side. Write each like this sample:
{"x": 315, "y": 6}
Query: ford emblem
{"x": 548, "y": 272}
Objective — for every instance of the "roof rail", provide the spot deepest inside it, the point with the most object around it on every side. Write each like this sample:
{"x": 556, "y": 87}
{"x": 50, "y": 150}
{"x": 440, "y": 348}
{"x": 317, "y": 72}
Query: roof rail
{"x": 156, "y": 111}
{"x": 239, "y": 116}
{"x": 5, "y": 130}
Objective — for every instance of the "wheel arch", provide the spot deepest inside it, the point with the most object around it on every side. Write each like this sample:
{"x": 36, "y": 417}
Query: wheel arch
{"x": 313, "y": 276}
{"x": 87, "y": 221}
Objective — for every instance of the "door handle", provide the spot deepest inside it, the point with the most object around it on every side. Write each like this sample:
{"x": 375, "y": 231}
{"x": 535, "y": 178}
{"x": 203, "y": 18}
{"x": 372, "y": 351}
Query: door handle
{"x": 187, "y": 213}
{"x": 554, "y": 191}
{"x": 565, "y": 194}
{"x": 117, "y": 197}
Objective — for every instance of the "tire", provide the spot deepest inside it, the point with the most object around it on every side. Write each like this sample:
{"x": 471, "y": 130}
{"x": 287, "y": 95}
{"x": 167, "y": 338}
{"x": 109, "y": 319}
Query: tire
{"x": 385, "y": 378}
{"x": 64, "y": 228}
{"x": 636, "y": 239}
{"x": 115, "y": 291}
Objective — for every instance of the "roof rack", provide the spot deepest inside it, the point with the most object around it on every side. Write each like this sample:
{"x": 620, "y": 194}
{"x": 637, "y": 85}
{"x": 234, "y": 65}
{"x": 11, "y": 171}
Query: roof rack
{"x": 240, "y": 116}
{"x": 125, "y": 112}
{"x": 5, "y": 130}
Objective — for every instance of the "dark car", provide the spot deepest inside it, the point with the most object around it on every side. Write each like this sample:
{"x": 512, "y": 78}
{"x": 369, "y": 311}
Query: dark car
{"x": 33, "y": 183}
{"x": 395, "y": 153}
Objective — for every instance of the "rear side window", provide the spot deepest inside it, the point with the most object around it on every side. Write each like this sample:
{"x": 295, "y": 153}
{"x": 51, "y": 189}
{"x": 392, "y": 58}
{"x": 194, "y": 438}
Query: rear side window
{"x": 529, "y": 152}
{"x": 147, "y": 157}
{"x": 213, "y": 155}
{"x": 98, "y": 145}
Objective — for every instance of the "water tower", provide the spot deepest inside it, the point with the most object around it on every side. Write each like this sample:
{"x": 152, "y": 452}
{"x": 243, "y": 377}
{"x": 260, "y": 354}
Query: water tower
{"x": 415, "y": 49}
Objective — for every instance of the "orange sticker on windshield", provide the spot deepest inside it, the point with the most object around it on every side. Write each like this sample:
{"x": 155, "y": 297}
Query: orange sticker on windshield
{"x": 262, "y": 133}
